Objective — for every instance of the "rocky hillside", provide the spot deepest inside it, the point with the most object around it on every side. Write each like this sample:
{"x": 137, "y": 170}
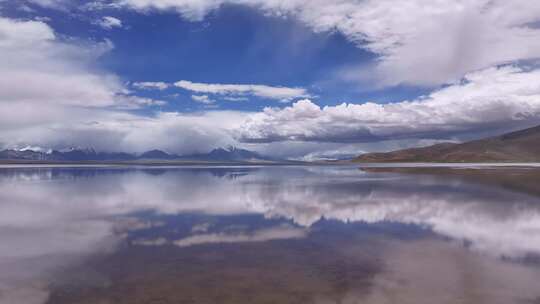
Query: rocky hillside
{"x": 519, "y": 146}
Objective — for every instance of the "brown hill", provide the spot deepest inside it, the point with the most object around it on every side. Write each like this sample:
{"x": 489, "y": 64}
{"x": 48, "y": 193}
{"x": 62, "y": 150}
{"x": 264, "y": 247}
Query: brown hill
{"x": 519, "y": 146}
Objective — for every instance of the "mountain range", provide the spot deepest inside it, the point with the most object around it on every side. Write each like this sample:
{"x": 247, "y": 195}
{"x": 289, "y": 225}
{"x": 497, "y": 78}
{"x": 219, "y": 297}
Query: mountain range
{"x": 519, "y": 146}
{"x": 89, "y": 154}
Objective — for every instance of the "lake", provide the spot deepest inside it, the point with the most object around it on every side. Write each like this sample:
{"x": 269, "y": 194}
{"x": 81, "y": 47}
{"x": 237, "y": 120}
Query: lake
{"x": 275, "y": 234}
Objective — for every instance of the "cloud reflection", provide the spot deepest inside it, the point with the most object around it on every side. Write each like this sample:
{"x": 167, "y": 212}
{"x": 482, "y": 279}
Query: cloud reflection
{"x": 51, "y": 213}
{"x": 261, "y": 235}
{"x": 492, "y": 220}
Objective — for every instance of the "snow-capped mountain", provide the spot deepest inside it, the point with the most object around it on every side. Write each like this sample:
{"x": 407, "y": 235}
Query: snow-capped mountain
{"x": 89, "y": 154}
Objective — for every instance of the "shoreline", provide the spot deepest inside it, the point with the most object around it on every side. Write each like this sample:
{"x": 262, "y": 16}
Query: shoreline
{"x": 519, "y": 177}
{"x": 149, "y": 163}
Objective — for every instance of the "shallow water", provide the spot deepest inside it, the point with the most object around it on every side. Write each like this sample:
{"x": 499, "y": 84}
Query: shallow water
{"x": 262, "y": 235}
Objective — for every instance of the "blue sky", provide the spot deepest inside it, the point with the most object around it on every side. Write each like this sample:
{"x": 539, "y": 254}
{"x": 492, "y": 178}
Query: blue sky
{"x": 295, "y": 78}
{"x": 235, "y": 44}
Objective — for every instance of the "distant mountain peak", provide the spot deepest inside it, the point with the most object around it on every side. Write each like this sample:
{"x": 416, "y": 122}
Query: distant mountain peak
{"x": 232, "y": 153}
{"x": 74, "y": 154}
{"x": 157, "y": 154}
{"x": 229, "y": 148}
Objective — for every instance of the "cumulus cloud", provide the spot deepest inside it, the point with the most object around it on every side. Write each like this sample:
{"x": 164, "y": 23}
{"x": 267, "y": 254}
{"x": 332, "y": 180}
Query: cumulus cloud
{"x": 53, "y": 96}
{"x": 62, "y": 98}
{"x": 284, "y": 94}
{"x": 488, "y": 99}
{"x": 120, "y": 131}
{"x": 420, "y": 42}
{"x": 109, "y": 22}
{"x": 203, "y": 99}
{"x": 39, "y": 69}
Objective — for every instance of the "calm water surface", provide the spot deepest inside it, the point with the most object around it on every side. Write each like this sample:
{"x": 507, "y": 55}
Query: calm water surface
{"x": 262, "y": 235}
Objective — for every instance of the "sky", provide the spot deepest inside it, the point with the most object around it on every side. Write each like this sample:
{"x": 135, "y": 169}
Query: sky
{"x": 303, "y": 79}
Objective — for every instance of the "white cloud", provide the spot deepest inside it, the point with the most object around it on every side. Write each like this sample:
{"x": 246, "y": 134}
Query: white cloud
{"x": 147, "y": 85}
{"x": 135, "y": 102}
{"x": 150, "y": 242}
{"x": 284, "y": 94}
{"x": 230, "y": 98}
{"x": 56, "y": 4}
{"x": 488, "y": 99}
{"x": 194, "y": 10}
{"x": 39, "y": 69}
{"x": 52, "y": 96}
{"x": 61, "y": 96}
{"x": 203, "y": 99}
{"x": 55, "y": 127}
{"x": 109, "y": 22}
{"x": 419, "y": 42}
{"x": 337, "y": 154}
{"x": 230, "y": 92}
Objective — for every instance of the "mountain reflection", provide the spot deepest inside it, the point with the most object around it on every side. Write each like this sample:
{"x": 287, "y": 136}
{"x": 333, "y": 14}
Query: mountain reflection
{"x": 54, "y": 217}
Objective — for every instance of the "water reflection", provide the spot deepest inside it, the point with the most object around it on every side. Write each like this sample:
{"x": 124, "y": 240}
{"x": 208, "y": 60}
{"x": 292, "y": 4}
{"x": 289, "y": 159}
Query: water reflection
{"x": 388, "y": 228}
